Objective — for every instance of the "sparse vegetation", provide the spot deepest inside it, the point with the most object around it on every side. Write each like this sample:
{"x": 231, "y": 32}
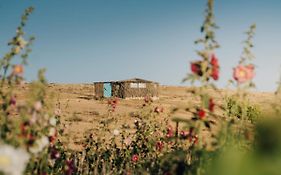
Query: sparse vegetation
{"x": 204, "y": 136}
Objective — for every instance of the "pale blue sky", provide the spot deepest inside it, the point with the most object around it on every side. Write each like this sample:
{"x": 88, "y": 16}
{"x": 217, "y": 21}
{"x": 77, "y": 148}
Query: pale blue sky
{"x": 81, "y": 41}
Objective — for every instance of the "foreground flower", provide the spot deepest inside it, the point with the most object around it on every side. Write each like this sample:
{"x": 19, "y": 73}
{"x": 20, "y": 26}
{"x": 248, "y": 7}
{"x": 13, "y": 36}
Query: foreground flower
{"x": 201, "y": 113}
{"x": 215, "y": 73}
{"x": 243, "y": 73}
{"x": 196, "y": 68}
{"x": 53, "y": 121}
{"x": 159, "y": 145}
{"x": 215, "y": 67}
{"x": 184, "y": 134}
{"x": 18, "y": 70}
{"x": 39, "y": 145}
{"x": 211, "y": 105}
{"x": 135, "y": 158}
{"x": 170, "y": 132}
{"x": 214, "y": 60}
{"x": 13, "y": 161}
{"x": 70, "y": 167}
{"x": 55, "y": 154}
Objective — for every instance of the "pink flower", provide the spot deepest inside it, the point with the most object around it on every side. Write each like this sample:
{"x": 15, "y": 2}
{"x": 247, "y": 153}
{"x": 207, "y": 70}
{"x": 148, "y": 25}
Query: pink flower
{"x": 184, "y": 134}
{"x": 135, "y": 158}
{"x": 243, "y": 73}
{"x": 170, "y": 132}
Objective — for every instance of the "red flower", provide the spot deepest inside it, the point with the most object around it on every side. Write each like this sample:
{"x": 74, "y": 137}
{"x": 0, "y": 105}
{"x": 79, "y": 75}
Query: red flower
{"x": 70, "y": 167}
{"x": 195, "y": 139}
{"x": 215, "y": 73}
{"x": 201, "y": 113}
{"x": 135, "y": 158}
{"x": 196, "y": 68}
{"x": 211, "y": 105}
{"x": 159, "y": 145}
{"x": 55, "y": 154}
{"x": 170, "y": 132}
{"x": 214, "y": 61}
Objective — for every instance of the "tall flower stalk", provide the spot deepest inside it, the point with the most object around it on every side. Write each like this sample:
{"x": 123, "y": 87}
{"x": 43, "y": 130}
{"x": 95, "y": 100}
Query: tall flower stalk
{"x": 204, "y": 71}
{"x": 244, "y": 72}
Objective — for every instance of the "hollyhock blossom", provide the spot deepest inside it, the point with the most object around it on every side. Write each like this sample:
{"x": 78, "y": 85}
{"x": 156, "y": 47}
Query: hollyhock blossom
{"x": 135, "y": 158}
{"x": 70, "y": 167}
{"x": 170, "y": 132}
{"x": 53, "y": 121}
{"x": 201, "y": 113}
{"x": 215, "y": 67}
{"x": 39, "y": 145}
{"x": 215, "y": 73}
{"x": 159, "y": 145}
{"x": 55, "y": 154}
{"x": 251, "y": 69}
{"x": 243, "y": 73}
{"x": 13, "y": 161}
{"x": 211, "y": 105}
{"x": 18, "y": 70}
{"x": 196, "y": 68}
{"x": 214, "y": 60}
{"x": 184, "y": 134}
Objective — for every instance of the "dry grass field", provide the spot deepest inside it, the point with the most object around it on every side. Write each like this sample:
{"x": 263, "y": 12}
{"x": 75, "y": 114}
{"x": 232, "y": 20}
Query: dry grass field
{"x": 82, "y": 113}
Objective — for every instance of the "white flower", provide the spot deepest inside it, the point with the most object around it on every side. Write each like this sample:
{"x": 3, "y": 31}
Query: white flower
{"x": 116, "y": 132}
{"x": 53, "y": 121}
{"x": 13, "y": 160}
{"x": 52, "y": 131}
{"x": 39, "y": 145}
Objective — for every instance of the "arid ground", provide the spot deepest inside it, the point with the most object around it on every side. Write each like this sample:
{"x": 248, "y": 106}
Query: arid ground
{"x": 81, "y": 113}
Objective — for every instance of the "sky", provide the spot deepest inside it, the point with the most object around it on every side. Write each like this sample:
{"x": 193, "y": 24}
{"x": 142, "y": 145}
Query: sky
{"x": 82, "y": 41}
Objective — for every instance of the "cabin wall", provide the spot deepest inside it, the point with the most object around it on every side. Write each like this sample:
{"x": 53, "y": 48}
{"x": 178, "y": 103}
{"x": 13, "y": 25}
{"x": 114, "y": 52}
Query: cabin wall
{"x": 99, "y": 90}
{"x": 151, "y": 89}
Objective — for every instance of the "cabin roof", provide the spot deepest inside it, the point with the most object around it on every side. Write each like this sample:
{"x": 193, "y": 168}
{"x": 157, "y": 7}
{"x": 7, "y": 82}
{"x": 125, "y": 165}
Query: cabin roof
{"x": 132, "y": 80}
